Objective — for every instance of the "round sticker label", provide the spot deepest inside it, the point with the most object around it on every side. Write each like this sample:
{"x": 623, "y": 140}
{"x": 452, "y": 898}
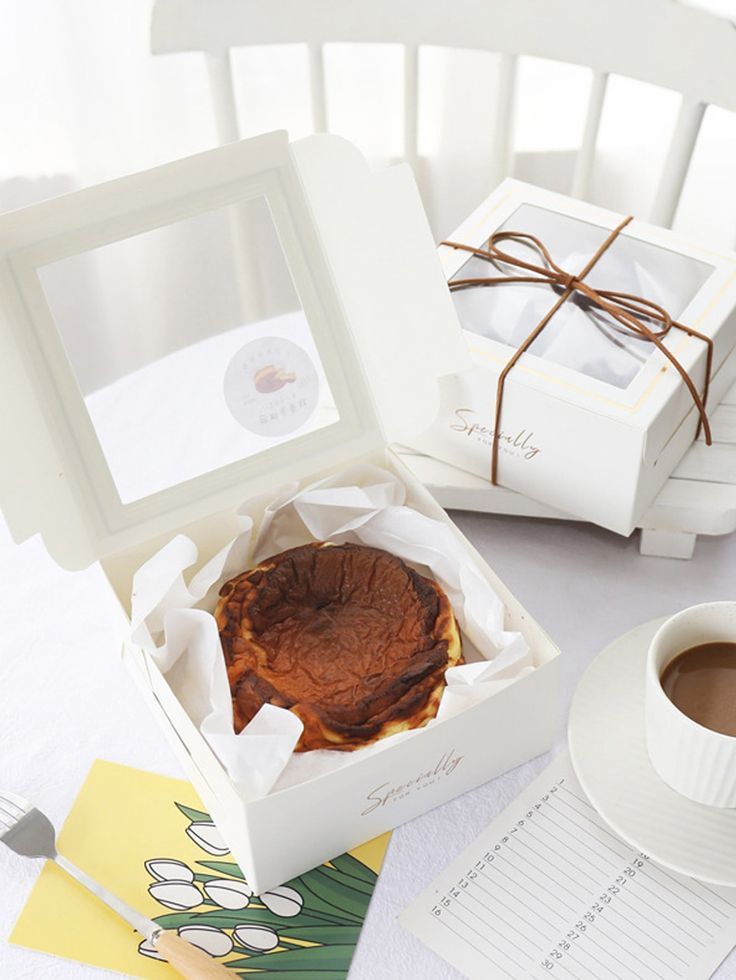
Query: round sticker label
{"x": 271, "y": 386}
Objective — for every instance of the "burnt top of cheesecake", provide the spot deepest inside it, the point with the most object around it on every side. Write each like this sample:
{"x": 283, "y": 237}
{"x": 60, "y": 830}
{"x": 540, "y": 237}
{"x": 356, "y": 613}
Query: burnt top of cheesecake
{"x": 347, "y": 630}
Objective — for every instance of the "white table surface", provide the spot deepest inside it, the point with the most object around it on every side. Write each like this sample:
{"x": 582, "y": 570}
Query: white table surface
{"x": 65, "y": 700}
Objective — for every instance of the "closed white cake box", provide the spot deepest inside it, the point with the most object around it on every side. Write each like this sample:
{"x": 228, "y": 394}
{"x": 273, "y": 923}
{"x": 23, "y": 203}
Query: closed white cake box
{"x": 127, "y": 421}
{"x": 593, "y": 421}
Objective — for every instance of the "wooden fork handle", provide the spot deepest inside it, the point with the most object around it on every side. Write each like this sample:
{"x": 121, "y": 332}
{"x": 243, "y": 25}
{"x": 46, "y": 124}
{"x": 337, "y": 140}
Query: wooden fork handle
{"x": 192, "y": 962}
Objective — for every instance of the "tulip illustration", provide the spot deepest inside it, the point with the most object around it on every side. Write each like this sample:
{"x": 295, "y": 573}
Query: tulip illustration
{"x": 147, "y": 949}
{"x": 169, "y": 869}
{"x": 260, "y": 939}
{"x": 283, "y": 901}
{"x": 212, "y": 940}
{"x": 206, "y": 835}
{"x": 228, "y": 894}
{"x": 179, "y": 895}
{"x": 310, "y": 924}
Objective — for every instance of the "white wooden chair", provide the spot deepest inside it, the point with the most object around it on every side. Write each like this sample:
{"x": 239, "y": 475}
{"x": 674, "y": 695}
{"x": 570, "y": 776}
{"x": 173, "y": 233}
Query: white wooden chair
{"x": 660, "y": 42}
{"x": 657, "y": 41}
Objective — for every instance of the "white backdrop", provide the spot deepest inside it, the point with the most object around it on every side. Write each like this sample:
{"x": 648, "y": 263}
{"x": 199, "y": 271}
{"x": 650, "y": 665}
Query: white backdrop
{"x": 83, "y": 100}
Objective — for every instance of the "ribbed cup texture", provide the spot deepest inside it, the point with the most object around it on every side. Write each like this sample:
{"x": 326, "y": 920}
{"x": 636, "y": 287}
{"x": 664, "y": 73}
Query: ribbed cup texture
{"x": 702, "y": 770}
{"x": 693, "y": 760}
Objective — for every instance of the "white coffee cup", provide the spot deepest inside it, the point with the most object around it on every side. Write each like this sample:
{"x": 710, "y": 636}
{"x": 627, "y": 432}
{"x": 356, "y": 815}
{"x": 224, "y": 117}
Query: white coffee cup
{"x": 695, "y": 761}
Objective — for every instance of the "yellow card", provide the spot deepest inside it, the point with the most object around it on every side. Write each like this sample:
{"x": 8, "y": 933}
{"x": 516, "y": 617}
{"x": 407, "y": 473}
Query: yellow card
{"x": 148, "y": 839}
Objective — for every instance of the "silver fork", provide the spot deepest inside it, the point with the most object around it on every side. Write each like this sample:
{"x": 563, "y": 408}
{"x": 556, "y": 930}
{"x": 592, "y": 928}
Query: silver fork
{"x": 30, "y": 833}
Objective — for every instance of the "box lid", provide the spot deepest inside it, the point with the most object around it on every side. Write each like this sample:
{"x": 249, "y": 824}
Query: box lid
{"x": 151, "y": 376}
{"x": 581, "y": 357}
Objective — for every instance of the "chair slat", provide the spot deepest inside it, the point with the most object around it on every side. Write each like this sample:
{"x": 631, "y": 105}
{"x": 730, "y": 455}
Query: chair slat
{"x": 222, "y": 89}
{"x": 411, "y": 106}
{"x": 677, "y": 162}
{"x": 317, "y": 87}
{"x": 501, "y": 158}
{"x": 673, "y": 45}
{"x": 586, "y": 154}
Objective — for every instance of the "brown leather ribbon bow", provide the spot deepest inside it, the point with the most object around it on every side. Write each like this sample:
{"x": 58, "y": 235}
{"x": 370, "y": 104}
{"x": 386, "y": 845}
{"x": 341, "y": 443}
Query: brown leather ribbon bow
{"x": 628, "y": 311}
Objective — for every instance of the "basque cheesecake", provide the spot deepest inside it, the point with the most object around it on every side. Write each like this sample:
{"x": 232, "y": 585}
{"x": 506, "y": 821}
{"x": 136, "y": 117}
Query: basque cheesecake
{"x": 348, "y": 637}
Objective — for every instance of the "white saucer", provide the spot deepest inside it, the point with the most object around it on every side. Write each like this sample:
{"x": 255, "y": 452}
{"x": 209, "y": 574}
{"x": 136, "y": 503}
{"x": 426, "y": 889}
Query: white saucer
{"x": 609, "y": 754}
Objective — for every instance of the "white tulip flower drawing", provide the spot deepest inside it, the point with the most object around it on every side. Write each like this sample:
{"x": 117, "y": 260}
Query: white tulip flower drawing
{"x": 283, "y": 901}
{"x": 169, "y": 869}
{"x": 209, "y": 938}
{"x": 228, "y": 894}
{"x": 207, "y": 836}
{"x": 180, "y": 895}
{"x": 258, "y": 938}
{"x": 146, "y": 948}
{"x": 310, "y": 925}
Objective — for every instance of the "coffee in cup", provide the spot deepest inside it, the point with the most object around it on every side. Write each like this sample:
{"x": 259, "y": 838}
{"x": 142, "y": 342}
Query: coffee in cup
{"x": 690, "y": 703}
{"x": 701, "y": 682}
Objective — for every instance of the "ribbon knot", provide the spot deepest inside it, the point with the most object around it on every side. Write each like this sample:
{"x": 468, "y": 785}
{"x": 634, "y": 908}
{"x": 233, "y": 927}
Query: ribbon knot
{"x": 633, "y": 315}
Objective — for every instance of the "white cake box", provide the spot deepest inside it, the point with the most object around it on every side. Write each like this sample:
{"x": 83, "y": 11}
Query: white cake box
{"x": 111, "y": 463}
{"x": 592, "y": 421}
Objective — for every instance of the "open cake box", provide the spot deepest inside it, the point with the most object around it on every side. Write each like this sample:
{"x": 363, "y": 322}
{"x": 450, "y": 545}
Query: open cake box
{"x": 137, "y": 417}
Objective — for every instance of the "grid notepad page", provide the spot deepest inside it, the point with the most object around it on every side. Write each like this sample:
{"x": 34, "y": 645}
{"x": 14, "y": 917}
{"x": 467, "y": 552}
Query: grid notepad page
{"x": 547, "y": 890}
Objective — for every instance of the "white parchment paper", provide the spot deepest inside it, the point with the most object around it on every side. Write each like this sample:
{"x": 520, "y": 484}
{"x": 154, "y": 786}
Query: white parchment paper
{"x": 172, "y": 618}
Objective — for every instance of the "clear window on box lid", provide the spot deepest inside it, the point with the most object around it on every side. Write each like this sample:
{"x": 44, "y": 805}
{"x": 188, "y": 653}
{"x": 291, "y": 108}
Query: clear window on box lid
{"x": 190, "y": 353}
{"x": 580, "y": 336}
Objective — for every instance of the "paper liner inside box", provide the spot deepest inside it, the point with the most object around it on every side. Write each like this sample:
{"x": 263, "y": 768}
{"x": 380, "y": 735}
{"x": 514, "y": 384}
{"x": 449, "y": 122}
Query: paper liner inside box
{"x": 172, "y": 619}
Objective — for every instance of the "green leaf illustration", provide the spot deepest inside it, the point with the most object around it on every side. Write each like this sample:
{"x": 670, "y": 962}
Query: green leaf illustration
{"x": 194, "y": 815}
{"x": 228, "y": 919}
{"x": 223, "y": 867}
{"x": 346, "y": 881}
{"x": 313, "y": 959}
{"x": 291, "y": 974}
{"x": 336, "y": 897}
{"x": 320, "y": 897}
{"x": 340, "y": 896}
{"x": 325, "y": 935}
{"x": 350, "y": 865}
